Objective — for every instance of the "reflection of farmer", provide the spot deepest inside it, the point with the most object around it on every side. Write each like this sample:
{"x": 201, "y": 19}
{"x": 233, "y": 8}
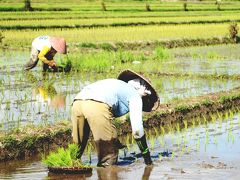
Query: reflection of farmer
{"x": 99, "y": 103}
{"x": 49, "y": 94}
{"x": 45, "y": 92}
{"x": 45, "y": 48}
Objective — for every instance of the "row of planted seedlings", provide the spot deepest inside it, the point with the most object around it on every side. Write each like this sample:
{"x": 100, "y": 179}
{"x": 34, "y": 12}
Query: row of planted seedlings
{"x": 122, "y": 6}
{"x": 158, "y": 59}
{"x": 176, "y": 139}
{"x": 24, "y": 107}
{"x": 38, "y": 15}
{"x": 100, "y": 22}
{"x": 11, "y": 140}
{"x": 215, "y": 33}
{"x": 27, "y": 106}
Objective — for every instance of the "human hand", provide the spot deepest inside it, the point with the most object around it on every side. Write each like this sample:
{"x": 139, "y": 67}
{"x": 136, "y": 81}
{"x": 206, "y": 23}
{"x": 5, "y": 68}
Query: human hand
{"x": 52, "y": 63}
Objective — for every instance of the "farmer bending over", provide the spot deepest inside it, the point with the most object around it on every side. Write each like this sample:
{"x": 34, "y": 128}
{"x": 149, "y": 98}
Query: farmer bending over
{"x": 45, "y": 48}
{"x": 99, "y": 103}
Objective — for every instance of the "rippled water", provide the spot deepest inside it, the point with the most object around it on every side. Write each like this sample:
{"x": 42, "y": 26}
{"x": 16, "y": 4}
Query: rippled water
{"x": 32, "y": 98}
{"x": 210, "y": 148}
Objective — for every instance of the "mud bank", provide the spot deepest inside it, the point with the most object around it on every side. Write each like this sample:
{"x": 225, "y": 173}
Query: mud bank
{"x": 188, "y": 109}
{"x": 31, "y": 141}
{"x": 141, "y": 45}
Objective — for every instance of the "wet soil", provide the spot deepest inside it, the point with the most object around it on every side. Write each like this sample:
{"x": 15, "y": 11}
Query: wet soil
{"x": 19, "y": 145}
{"x": 212, "y": 159}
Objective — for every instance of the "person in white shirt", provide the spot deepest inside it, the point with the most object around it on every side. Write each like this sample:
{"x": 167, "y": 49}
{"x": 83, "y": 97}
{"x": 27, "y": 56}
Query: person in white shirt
{"x": 96, "y": 106}
{"x": 45, "y": 48}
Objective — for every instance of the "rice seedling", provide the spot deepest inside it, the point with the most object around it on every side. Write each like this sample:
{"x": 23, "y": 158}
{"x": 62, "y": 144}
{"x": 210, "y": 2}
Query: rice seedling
{"x": 162, "y": 130}
{"x": 152, "y": 142}
{"x": 89, "y": 149}
{"x": 185, "y": 122}
{"x": 120, "y": 34}
{"x": 64, "y": 157}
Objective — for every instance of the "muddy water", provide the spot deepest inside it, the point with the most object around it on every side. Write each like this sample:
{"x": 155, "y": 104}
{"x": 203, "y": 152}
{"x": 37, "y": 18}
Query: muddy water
{"x": 31, "y": 98}
{"x": 208, "y": 149}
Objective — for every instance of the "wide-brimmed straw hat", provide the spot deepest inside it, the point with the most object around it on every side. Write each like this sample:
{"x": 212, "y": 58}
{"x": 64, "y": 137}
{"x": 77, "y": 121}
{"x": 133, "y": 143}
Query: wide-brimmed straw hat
{"x": 150, "y": 102}
{"x": 59, "y": 44}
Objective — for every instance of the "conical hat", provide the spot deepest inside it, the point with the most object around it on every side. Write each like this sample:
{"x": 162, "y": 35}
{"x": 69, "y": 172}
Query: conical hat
{"x": 150, "y": 102}
{"x": 59, "y": 44}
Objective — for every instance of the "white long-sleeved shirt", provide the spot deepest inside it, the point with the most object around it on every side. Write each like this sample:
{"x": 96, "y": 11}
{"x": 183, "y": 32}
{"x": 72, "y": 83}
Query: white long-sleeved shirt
{"x": 121, "y": 97}
{"x": 40, "y": 42}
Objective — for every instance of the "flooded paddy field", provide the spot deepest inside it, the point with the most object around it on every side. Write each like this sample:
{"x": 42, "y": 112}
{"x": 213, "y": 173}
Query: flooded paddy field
{"x": 203, "y": 149}
{"x": 34, "y": 98}
{"x": 29, "y": 98}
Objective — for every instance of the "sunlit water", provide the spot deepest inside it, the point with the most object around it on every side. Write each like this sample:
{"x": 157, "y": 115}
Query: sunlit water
{"x": 31, "y": 98}
{"x": 214, "y": 143}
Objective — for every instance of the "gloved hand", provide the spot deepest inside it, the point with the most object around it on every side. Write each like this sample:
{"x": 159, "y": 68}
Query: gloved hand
{"x": 147, "y": 158}
{"x": 142, "y": 144}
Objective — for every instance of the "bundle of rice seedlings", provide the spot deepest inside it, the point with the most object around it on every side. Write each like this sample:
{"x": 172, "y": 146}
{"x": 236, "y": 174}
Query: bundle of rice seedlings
{"x": 66, "y": 158}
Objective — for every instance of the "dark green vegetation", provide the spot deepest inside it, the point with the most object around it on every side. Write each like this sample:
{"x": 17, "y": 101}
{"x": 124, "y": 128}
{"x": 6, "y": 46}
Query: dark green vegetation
{"x": 24, "y": 143}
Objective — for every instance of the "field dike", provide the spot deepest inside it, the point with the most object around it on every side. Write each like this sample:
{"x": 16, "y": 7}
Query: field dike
{"x": 140, "y": 45}
{"x": 127, "y": 24}
{"x": 31, "y": 141}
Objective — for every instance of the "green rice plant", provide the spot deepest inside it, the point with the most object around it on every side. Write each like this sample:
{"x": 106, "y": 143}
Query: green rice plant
{"x": 178, "y": 127}
{"x": 207, "y": 102}
{"x": 220, "y": 116}
{"x": 193, "y": 123}
{"x": 185, "y": 122}
{"x": 173, "y": 155}
{"x": 152, "y": 141}
{"x": 162, "y": 130}
{"x": 160, "y": 157}
{"x": 212, "y": 55}
{"x": 156, "y": 131}
{"x": 183, "y": 149}
{"x": 233, "y": 31}
{"x": 170, "y": 129}
{"x": 64, "y": 157}
{"x": 213, "y": 117}
{"x": 161, "y": 54}
{"x": 16, "y": 38}
{"x": 226, "y": 116}
{"x": 1, "y": 37}
{"x": 205, "y": 120}
{"x": 231, "y": 114}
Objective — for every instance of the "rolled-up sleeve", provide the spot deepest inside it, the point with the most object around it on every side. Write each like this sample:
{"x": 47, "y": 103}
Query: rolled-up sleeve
{"x": 135, "y": 111}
